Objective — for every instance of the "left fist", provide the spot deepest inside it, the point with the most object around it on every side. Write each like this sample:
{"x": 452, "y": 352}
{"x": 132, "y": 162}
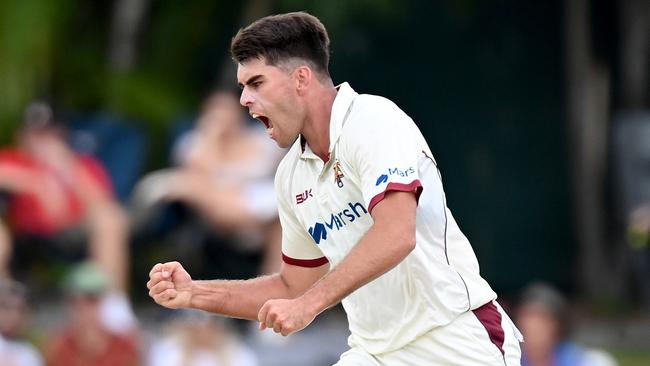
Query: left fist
{"x": 285, "y": 316}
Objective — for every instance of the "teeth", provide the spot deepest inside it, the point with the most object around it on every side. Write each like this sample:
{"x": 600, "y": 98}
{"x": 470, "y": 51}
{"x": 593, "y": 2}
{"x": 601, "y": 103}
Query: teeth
{"x": 255, "y": 115}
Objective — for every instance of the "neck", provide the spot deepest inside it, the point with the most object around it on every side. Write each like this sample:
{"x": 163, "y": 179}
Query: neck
{"x": 317, "y": 126}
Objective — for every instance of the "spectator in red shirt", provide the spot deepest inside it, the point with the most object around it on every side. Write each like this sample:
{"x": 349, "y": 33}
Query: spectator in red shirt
{"x": 55, "y": 194}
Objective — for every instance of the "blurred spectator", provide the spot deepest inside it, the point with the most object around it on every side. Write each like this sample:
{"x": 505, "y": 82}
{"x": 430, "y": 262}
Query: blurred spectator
{"x": 5, "y": 250}
{"x": 638, "y": 233}
{"x": 117, "y": 142}
{"x": 59, "y": 199}
{"x": 98, "y": 331}
{"x": 200, "y": 339}
{"x": 14, "y": 350}
{"x": 543, "y": 317}
{"x": 226, "y": 174}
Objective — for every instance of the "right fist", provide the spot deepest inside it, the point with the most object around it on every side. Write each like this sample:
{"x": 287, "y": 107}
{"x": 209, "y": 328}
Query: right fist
{"x": 170, "y": 285}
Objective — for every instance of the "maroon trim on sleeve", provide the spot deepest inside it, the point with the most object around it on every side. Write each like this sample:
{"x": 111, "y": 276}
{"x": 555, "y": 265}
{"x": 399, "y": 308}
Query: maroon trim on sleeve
{"x": 305, "y": 262}
{"x": 414, "y": 186}
{"x": 490, "y": 317}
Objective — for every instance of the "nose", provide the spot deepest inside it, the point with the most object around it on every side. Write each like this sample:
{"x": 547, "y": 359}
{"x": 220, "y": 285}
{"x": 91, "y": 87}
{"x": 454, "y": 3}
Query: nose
{"x": 246, "y": 98}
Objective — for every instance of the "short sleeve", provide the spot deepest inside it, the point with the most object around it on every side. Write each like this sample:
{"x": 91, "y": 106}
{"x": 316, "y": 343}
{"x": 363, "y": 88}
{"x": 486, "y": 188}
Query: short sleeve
{"x": 298, "y": 248}
{"x": 386, "y": 148}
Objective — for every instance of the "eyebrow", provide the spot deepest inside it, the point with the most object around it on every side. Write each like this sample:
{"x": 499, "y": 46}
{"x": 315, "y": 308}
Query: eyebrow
{"x": 250, "y": 80}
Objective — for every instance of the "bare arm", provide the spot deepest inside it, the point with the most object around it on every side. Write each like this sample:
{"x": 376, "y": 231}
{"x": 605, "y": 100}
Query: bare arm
{"x": 17, "y": 179}
{"x": 171, "y": 286}
{"x": 387, "y": 243}
{"x": 222, "y": 204}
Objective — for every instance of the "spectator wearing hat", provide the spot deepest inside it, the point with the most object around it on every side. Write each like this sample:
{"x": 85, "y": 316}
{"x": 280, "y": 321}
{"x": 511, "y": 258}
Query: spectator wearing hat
{"x": 97, "y": 331}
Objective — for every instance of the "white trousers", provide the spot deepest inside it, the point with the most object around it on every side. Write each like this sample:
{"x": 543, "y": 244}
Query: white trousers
{"x": 483, "y": 337}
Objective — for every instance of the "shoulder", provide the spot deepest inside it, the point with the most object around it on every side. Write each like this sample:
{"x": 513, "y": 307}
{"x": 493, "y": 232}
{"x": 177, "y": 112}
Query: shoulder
{"x": 372, "y": 112}
{"x": 90, "y": 160}
{"x": 95, "y": 168}
{"x": 375, "y": 105}
{"x": 373, "y": 119}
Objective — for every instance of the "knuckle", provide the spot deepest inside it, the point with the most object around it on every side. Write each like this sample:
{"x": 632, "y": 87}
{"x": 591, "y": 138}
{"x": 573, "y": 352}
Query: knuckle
{"x": 166, "y": 294}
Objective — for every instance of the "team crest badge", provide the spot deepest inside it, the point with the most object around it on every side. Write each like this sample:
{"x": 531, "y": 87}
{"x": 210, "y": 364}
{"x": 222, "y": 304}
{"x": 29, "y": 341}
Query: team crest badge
{"x": 338, "y": 174}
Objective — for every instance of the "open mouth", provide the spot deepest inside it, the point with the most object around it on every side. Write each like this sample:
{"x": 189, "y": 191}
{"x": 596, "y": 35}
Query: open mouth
{"x": 264, "y": 119}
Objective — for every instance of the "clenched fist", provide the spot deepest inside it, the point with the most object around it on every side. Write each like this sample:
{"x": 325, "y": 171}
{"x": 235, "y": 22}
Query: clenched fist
{"x": 170, "y": 285}
{"x": 285, "y": 316}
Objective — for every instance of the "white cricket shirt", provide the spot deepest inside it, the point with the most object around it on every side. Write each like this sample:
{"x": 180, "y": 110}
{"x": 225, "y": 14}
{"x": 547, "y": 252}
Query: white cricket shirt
{"x": 325, "y": 209}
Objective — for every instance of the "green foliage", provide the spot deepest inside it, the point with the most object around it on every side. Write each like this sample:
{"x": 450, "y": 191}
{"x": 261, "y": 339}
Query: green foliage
{"x": 59, "y": 49}
{"x": 28, "y": 30}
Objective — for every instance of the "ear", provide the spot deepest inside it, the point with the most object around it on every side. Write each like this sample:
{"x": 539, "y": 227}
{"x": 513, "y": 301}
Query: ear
{"x": 303, "y": 78}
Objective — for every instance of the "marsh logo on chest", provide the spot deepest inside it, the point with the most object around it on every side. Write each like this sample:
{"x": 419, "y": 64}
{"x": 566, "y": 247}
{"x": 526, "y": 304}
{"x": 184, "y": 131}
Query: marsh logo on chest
{"x": 337, "y": 221}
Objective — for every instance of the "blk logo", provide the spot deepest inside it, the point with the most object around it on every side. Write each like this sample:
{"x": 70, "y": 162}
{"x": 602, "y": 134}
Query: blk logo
{"x": 302, "y": 197}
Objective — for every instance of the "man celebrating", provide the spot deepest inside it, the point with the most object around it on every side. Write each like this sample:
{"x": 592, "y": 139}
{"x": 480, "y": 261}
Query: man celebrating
{"x": 364, "y": 219}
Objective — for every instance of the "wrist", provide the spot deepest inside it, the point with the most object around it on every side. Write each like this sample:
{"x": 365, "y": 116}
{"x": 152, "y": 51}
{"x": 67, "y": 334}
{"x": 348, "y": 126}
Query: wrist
{"x": 206, "y": 295}
{"x": 192, "y": 291}
{"x": 314, "y": 302}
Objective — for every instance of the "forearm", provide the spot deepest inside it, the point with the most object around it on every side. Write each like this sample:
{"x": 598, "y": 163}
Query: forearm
{"x": 238, "y": 298}
{"x": 375, "y": 254}
{"x": 221, "y": 204}
{"x": 225, "y": 207}
{"x": 15, "y": 179}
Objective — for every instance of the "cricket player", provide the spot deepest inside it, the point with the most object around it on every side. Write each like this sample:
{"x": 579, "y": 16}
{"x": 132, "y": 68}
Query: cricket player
{"x": 364, "y": 220}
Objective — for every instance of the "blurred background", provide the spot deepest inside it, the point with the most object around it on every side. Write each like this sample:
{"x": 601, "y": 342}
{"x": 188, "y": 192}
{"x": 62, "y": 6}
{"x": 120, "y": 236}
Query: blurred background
{"x": 123, "y": 146}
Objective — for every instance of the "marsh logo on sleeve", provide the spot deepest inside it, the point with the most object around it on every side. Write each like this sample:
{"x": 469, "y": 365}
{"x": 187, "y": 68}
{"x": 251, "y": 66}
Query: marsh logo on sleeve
{"x": 337, "y": 221}
{"x": 394, "y": 171}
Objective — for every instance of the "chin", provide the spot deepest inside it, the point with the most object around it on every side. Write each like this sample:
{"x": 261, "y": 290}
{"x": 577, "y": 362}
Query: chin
{"x": 286, "y": 143}
{"x": 283, "y": 144}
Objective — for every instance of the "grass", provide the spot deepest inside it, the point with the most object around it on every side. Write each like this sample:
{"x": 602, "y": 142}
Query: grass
{"x": 632, "y": 357}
